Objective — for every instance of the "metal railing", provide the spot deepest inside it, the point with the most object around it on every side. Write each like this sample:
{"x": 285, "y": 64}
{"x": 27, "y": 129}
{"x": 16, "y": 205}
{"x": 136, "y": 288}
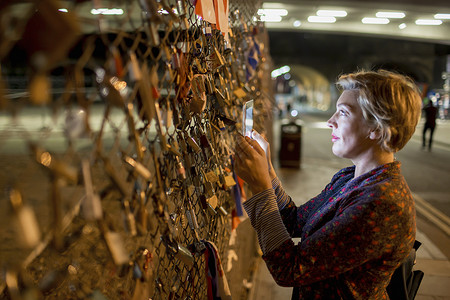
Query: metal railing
{"x": 115, "y": 176}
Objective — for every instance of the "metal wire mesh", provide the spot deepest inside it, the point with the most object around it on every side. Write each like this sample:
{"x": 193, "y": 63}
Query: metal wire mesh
{"x": 124, "y": 159}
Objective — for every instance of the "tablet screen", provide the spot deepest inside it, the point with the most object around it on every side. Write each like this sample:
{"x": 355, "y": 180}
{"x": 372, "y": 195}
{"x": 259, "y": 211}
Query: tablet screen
{"x": 247, "y": 119}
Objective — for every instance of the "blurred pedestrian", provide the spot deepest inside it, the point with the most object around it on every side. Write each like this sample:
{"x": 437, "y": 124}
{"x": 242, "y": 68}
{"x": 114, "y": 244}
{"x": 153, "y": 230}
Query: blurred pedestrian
{"x": 430, "y": 123}
{"x": 361, "y": 227}
{"x": 288, "y": 108}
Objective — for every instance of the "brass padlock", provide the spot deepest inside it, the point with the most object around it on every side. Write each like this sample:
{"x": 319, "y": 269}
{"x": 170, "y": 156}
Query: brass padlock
{"x": 29, "y": 232}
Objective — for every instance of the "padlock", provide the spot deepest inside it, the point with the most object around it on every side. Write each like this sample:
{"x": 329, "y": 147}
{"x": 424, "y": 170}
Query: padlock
{"x": 138, "y": 167}
{"x": 116, "y": 248}
{"x": 181, "y": 171}
{"x": 29, "y": 232}
{"x": 195, "y": 147}
{"x": 176, "y": 250}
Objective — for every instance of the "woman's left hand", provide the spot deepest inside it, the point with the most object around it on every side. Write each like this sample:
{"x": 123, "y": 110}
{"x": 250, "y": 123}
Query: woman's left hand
{"x": 251, "y": 164}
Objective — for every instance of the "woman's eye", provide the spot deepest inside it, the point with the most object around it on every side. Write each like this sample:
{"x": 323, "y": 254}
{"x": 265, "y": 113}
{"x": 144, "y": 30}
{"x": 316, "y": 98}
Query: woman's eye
{"x": 342, "y": 112}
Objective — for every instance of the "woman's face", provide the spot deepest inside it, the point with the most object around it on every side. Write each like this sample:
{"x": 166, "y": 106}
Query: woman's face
{"x": 350, "y": 135}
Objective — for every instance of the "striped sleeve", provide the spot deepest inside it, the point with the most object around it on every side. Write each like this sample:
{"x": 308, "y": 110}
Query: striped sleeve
{"x": 265, "y": 217}
{"x": 282, "y": 198}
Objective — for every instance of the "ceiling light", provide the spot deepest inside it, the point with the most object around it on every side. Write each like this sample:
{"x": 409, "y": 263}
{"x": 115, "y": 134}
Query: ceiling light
{"x": 442, "y": 16}
{"x": 319, "y": 19}
{"x": 375, "y": 21}
{"x": 297, "y": 23}
{"x": 428, "y": 22}
{"x": 331, "y": 13}
{"x": 165, "y": 12}
{"x": 390, "y": 14}
{"x": 402, "y": 26}
{"x": 107, "y": 11}
{"x": 271, "y": 18}
{"x": 272, "y": 12}
{"x": 280, "y": 71}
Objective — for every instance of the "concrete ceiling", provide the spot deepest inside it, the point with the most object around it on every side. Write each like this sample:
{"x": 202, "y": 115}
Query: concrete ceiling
{"x": 358, "y": 9}
{"x": 297, "y": 11}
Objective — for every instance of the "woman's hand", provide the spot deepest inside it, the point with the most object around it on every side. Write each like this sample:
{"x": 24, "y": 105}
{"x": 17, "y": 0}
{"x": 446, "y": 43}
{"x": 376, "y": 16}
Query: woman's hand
{"x": 251, "y": 164}
{"x": 262, "y": 141}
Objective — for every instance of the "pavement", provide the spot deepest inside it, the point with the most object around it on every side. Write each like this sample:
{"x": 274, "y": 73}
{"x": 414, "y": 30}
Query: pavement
{"x": 302, "y": 184}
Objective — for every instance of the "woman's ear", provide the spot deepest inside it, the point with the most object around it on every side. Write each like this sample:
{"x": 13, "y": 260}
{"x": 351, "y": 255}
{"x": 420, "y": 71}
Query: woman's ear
{"x": 375, "y": 134}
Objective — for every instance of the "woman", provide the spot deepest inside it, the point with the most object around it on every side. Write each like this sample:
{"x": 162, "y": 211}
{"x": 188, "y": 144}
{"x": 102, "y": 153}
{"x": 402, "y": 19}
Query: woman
{"x": 360, "y": 228}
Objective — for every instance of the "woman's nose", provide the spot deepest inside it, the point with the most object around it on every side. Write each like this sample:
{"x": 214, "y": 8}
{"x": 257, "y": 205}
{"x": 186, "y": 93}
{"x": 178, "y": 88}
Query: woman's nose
{"x": 330, "y": 122}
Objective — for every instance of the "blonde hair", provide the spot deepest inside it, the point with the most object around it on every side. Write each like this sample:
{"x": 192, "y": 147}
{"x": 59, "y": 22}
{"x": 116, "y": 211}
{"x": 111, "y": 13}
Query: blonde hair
{"x": 390, "y": 103}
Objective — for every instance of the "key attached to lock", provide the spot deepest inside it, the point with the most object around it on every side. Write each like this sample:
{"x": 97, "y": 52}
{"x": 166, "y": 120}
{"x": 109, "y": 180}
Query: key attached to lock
{"x": 130, "y": 219}
{"x": 142, "y": 211}
{"x": 143, "y": 272}
{"x": 197, "y": 246}
{"x": 91, "y": 205}
{"x": 133, "y": 133}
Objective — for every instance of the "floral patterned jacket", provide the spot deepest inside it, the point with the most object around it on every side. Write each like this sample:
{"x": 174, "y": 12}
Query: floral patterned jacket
{"x": 354, "y": 234}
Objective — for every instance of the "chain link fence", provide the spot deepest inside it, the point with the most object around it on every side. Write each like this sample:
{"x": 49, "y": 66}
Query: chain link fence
{"x": 117, "y": 127}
